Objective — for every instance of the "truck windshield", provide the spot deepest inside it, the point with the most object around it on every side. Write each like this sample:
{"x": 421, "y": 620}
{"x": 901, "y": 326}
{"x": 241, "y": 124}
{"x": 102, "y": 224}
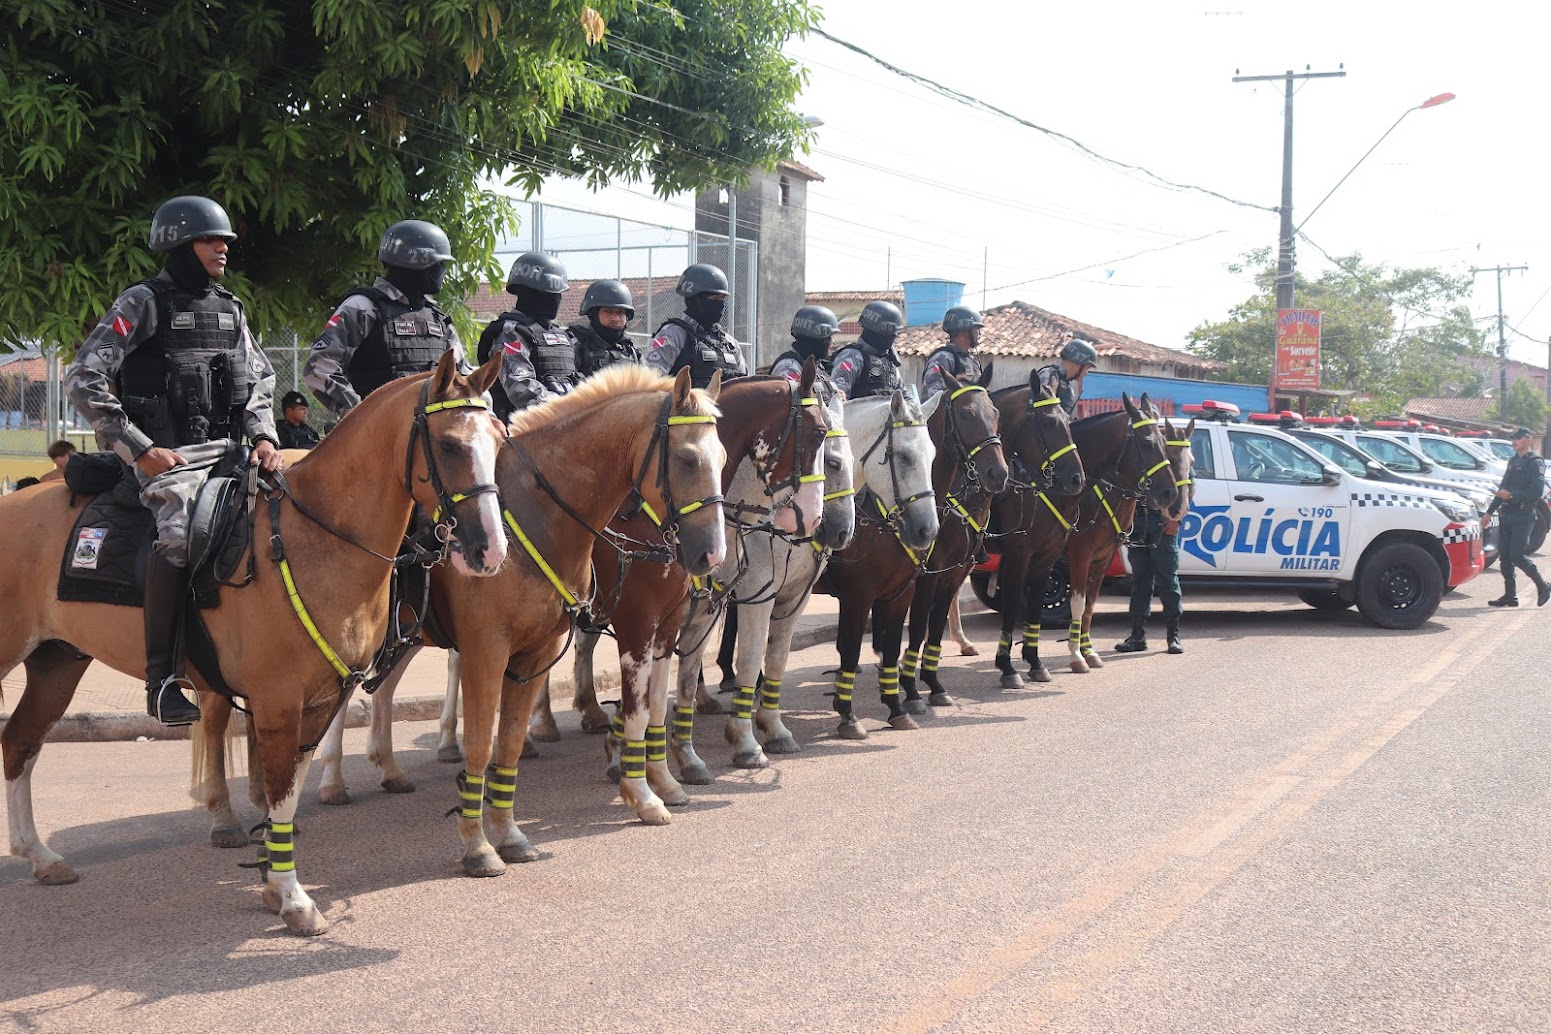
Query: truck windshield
{"x": 1392, "y": 454}
{"x": 1338, "y": 452}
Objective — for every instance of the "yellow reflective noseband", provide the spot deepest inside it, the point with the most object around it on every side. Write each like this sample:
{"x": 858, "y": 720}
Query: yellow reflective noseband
{"x": 1154, "y": 469}
{"x": 437, "y": 407}
{"x": 1062, "y": 451}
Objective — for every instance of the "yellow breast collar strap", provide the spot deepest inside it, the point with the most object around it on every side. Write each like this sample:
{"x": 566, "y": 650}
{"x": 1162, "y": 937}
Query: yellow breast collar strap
{"x": 538, "y": 558}
{"x": 1113, "y": 520}
{"x": 1057, "y": 514}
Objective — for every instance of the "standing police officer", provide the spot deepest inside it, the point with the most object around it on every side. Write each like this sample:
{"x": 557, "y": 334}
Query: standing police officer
{"x": 812, "y": 328}
{"x": 870, "y": 366}
{"x": 1063, "y": 378}
{"x": 538, "y": 355}
{"x": 601, "y": 340}
{"x": 962, "y": 325}
{"x": 294, "y": 431}
{"x": 696, "y": 339}
{"x": 1154, "y": 551}
{"x": 170, "y": 379}
{"x": 1524, "y": 482}
{"x": 391, "y": 329}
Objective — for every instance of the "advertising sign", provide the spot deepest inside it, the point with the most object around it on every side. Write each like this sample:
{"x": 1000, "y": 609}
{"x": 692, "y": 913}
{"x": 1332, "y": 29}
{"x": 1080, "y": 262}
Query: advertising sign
{"x": 1297, "y": 348}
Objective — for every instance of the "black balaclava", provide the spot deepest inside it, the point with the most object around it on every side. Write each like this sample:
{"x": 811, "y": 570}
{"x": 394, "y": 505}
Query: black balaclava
{"x": 542, "y": 306}
{"x": 608, "y": 334}
{"x": 810, "y": 347}
{"x": 705, "y": 310}
{"x": 879, "y": 343}
{"x": 186, "y": 270}
{"x": 417, "y": 283}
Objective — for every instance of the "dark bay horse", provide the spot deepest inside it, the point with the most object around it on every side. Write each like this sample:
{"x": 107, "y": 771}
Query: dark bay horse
{"x": 1036, "y": 427}
{"x": 876, "y": 576}
{"x": 340, "y": 515}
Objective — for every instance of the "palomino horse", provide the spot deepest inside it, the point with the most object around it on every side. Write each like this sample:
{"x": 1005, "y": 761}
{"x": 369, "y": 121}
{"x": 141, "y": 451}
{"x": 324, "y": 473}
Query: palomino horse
{"x": 304, "y": 632}
{"x": 773, "y": 580}
{"x": 1041, "y": 436}
{"x": 1145, "y": 469}
{"x": 780, "y": 427}
{"x": 877, "y": 575}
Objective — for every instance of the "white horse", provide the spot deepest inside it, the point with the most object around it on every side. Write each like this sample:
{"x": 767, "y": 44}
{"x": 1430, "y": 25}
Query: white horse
{"x": 777, "y": 575}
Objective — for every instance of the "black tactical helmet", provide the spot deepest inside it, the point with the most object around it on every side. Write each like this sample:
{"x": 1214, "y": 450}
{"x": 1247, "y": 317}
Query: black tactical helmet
{"x": 701, "y": 278}
{"x": 188, "y": 218}
{"x": 539, "y": 271}
{"x": 815, "y": 321}
{"x": 961, "y": 317}
{"x": 607, "y": 294}
{"x": 414, "y": 244}
{"x": 1079, "y": 351}
{"x": 881, "y": 318}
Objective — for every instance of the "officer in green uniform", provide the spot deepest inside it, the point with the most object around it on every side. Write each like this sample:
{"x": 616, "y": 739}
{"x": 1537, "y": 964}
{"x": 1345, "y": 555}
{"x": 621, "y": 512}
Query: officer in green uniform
{"x": 1154, "y": 551}
{"x": 1524, "y": 483}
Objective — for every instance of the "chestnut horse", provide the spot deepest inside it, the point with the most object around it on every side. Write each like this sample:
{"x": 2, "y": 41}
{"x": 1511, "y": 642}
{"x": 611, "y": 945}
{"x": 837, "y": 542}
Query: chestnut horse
{"x": 1147, "y": 468}
{"x": 304, "y": 632}
{"x": 877, "y": 575}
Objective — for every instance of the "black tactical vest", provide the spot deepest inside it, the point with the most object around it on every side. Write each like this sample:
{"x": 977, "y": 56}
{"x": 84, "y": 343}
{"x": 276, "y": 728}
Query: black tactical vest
{"x": 798, "y": 358}
{"x": 552, "y": 352}
{"x": 186, "y": 384}
{"x": 963, "y": 365}
{"x": 1064, "y": 392}
{"x": 705, "y": 353}
{"x": 879, "y": 374}
{"x": 405, "y": 341}
{"x": 594, "y": 353}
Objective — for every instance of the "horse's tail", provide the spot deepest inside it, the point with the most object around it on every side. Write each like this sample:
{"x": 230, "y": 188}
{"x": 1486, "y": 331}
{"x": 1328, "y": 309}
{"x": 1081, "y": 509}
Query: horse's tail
{"x": 211, "y": 757}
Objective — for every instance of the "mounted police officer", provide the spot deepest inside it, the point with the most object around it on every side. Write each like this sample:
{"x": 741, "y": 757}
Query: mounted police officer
{"x": 601, "y": 341}
{"x": 170, "y": 380}
{"x": 1063, "y": 378}
{"x": 538, "y": 355}
{"x": 870, "y": 366}
{"x": 293, "y": 429}
{"x": 1523, "y": 485}
{"x": 391, "y": 329}
{"x": 812, "y": 328}
{"x": 962, "y": 325}
{"x": 696, "y": 339}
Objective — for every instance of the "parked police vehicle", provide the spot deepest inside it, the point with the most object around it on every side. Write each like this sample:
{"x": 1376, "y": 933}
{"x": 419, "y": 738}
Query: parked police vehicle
{"x": 1431, "y": 441}
{"x": 1269, "y": 512}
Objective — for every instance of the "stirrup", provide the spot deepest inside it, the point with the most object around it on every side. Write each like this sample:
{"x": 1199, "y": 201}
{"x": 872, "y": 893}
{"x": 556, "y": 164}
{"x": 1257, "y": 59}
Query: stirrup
{"x": 163, "y": 702}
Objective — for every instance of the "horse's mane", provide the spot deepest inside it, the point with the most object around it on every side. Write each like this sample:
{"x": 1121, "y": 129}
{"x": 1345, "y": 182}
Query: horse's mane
{"x": 601, "y": 387}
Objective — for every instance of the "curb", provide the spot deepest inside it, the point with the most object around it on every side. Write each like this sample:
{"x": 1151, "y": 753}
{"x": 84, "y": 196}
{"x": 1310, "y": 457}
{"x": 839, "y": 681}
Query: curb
{"x": 112, "y": 726}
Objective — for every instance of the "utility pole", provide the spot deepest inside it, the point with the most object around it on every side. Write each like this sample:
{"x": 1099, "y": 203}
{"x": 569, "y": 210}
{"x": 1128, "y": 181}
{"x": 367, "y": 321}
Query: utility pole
{"x": 1284, "y": 239}
{"x": 1502, "y": 337}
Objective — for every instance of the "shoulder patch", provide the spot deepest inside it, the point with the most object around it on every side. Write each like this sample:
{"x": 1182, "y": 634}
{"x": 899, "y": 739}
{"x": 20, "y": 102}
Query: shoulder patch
{"x": 515, "y": 347}
{"x": 845, "y": 366}
{"x": 122, "y": 327}
{"x": 659, "y": 341}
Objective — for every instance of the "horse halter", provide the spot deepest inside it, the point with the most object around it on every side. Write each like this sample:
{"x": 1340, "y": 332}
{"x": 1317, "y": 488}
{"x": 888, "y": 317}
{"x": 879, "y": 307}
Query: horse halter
{"x": 888, "y": 516}
{"x": 1134, "y": 436}
{"x": 1047, "y": 470}
{"x": 966, "y": 453}
{"x": 790, "y": 430}
{"x": 422, "y": 431}
{"x": 668, "y": 521}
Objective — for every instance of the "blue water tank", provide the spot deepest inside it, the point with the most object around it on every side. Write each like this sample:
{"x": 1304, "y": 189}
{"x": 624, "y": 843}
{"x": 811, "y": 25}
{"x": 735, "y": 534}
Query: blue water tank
{"x": 926, "y": 300}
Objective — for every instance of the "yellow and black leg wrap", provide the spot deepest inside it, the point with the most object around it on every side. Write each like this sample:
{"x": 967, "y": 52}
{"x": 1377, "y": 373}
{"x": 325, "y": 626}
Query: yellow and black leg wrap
{"x": 929, "y": 658}
{"x": 617, "y": 726}
{"x": 888, "y": 681}
{"x": 1074, "y": 632}
{"x": 279, "y": 854}
{"x": 770, "y": 694}
{"x": 471, "y": 796}
{"x": 632, "y": 763}
{"x": 743, "y": 703}
{"x": 908, "y": 667}
{"x": 1031, "y": 637}
{"x": 845, "y": 683}
{"x": 1004, "y": 644}
{"x": 683, "y": 722}
{"x": 501, "y": 787}
{"x": 656, "y": 743}
{"x": 1086, "y": 642}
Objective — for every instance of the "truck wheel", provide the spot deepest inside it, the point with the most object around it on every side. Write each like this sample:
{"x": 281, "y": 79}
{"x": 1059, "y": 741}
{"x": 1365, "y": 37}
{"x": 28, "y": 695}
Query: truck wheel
{"x": 1056, "y": 607}
{"x": 980, "y": 581}
{"x": 1537, "y": 531}
{"x": 1399, "y": 586}
{"x": 1325, "y": 599}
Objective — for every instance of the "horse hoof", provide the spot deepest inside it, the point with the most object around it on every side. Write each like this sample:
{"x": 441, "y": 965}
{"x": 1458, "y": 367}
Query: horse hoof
{"x": 654, "y": 815}
{"x": 611, "y": 774}
{"x": 1093, "y": 660}
{"x": 592, "y": 725}
{"x": 55, "y": 874}
{"x": 483, "y": 862}
{"x": 550, "y": 734}
{"x": 940, "y": 699}
{"x": 449, "y": 755}
{"x": 399, "y": 784}
{"x": 518, "y": 853}
{"x": 915, "y": 705}
{"x": 675, "y": 798}
{"x": 1079, "y": 666}
{"x": 229, "y": 836}
{"x": 271, "y": 898}
{"x": 1012, "y": 680}
{"x": 904, "y": 723}
{"x": 753, "y": 759}
{"x": 528, "y": 749}
{"x": 710, "y": 705}
{"x": 1040, "y": 674}
{"x": 968, "y": 650}
{"x": 852, "y": 730}
{"x": 695, "y": 775}
{"x": 782, "y": 745}
{"x": 329, "y": 795}
{"x": 305, "y": 922}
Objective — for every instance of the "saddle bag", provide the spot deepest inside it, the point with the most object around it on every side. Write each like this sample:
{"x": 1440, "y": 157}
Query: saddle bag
{"x": 92, "y": 473}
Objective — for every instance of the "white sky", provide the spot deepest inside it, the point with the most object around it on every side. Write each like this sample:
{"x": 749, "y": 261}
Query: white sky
{"x": 1149, "y": 84}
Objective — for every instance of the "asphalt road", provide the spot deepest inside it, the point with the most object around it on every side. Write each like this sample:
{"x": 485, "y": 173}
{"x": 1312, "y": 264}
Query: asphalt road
{"x": 1303, "y": 824}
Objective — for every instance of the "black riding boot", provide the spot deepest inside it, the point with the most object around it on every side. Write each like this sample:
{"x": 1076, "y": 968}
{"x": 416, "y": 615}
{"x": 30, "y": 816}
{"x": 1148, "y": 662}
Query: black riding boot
{"x": 1542, "y": 588}
{"x": 1137, "y": 641}
{"x": 1173, "y": 636}
{"x": 1510, "y": 596}
{"x": 166, "y": 588}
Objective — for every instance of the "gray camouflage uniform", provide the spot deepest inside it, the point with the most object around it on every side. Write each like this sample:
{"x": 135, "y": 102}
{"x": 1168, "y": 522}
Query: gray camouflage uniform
{"x": 519, "y": 376}
{"x": 325, "y": 372}
{"x": 670, "y": 340}
{"x": 89, "y": 383}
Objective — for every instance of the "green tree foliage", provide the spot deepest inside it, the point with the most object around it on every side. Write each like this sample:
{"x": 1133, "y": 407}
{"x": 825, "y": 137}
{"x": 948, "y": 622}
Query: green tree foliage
{"x": 317, "y": 123}
{"x": 1395, "y": 334}
{"x": 1527, "y": 407}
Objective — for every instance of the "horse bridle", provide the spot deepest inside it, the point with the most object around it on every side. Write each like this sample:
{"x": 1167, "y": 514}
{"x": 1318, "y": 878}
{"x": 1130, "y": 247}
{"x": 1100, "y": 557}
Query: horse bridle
{"x": 1134, "y": 436}
{"x": 421, "y": 431}
{"x": 888, "y": 516}
{"x": 790, "y": 430}
{"x": 1047, "y": 470}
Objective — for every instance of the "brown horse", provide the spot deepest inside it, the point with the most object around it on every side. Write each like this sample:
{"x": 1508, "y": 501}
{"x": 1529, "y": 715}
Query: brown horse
{"x": 877, "y": 574}
{"x": 304, "y": 632}
{"x": 1146, "y": 468}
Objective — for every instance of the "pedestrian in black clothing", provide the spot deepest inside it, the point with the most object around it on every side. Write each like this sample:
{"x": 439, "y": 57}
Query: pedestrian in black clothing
{"x": 1524, "y": 483}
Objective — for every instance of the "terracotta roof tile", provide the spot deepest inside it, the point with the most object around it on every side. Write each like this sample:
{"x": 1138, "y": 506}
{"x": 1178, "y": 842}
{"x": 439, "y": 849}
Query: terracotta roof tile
{"x": 1472, "y": 409}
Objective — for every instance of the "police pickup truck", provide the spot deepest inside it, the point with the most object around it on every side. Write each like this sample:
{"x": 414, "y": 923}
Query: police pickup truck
{"x": 1268, "y": 512}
